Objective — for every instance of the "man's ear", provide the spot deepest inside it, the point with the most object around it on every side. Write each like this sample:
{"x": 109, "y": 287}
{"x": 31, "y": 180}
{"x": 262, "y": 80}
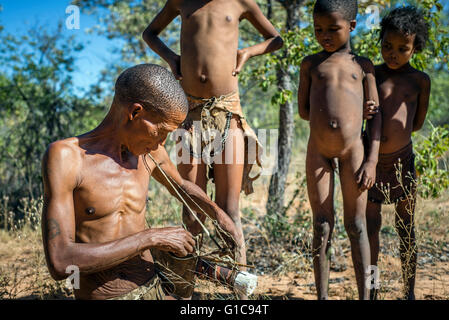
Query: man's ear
{"x": 134, "y": 111}
{"x": 352, "y": 25}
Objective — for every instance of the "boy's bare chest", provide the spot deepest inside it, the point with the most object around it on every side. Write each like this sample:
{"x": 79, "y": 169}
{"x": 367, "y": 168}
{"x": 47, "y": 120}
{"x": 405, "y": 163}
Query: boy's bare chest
{"x": 338, "y": 71}
{"x": 221, "y": 14}
{"x": 396, "y": 90}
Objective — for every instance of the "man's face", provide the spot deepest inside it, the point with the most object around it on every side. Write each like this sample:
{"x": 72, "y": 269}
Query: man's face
{"x": 332, "y": 30}
{"x": 149, "y": 129}
{"x": 397, "y": 48}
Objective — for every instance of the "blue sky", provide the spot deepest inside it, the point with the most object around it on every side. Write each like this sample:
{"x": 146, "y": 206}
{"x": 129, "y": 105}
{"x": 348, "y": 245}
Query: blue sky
{"x": 20, "y": 15}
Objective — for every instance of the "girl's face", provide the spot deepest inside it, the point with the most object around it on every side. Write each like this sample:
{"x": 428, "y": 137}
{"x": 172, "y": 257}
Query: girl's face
{"x": 397, "y": 48}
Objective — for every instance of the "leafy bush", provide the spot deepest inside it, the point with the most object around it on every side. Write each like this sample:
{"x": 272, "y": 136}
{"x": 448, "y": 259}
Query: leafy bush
{"x": 431, "y": 162}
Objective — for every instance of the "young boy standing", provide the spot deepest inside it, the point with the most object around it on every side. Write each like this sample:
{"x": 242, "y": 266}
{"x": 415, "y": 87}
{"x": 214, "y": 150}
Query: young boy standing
{"x": 404, "y": 96}
{"x": 335, "y": 84}
{"x": 208, "y": 67}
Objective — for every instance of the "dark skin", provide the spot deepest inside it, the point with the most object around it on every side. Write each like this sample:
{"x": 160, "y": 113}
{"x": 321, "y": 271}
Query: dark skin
{"x": 404, "y": 96}
{"x": 335, "y": 85}
{"x": 95, "y": 194}
{"x": 209, "y": 64}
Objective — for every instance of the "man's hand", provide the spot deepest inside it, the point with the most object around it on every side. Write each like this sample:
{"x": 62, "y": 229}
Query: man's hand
{"x": 174, "y": 239}
{"x": 242, "y": 56}
{"x": 366, "y": 176}
{"x": 175, "y": 66}
{"x": 370, "y": 109}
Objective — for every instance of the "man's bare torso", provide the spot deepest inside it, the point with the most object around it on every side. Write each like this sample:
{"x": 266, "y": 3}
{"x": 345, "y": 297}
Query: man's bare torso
{"x": 336, "y": 103}
{"x": 209, "y": 44}
{"x": 398, "y": 94}
{"x": 109, "y": 203}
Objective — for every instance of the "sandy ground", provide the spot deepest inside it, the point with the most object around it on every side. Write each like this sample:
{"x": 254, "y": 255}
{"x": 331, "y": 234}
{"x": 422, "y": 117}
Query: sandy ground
{"x": 432, "y": 284}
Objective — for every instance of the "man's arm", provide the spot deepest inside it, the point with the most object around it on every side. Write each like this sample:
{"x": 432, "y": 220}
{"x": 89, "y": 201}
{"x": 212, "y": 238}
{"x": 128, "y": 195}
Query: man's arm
{"x": 150, "y": 36}
{"x": 304, "y": 89}
{"x": 60, "y": 168}
{"x": 273, "y": 40}
{"x": 194, "y": 192}
{"x": 367, "y": 174}
{"x": 423, "y": 103}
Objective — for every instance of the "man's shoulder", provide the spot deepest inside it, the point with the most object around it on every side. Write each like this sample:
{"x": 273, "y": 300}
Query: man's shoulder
{"x": 63, "y": 150}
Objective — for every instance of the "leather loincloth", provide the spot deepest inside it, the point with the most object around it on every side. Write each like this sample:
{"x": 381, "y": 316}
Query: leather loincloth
{"x": 395, "y": 177}
{"x": 151, "y": 290}
{"x": 214, "y": 115}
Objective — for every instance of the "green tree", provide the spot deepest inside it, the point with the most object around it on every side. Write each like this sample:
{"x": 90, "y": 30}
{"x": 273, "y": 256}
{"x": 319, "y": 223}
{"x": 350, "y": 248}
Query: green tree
{"x": 37, "y": 106}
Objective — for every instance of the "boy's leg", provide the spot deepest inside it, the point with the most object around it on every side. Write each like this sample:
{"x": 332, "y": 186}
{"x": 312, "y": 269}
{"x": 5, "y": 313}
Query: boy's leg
{"x": 194, "y": 171}
{"x": 373, "y": 224}
{"x": 354, "y": 204}
{"x": 405, "y": 227}
{"x": 320, "y": 188}
{"x": 228, "y": 182}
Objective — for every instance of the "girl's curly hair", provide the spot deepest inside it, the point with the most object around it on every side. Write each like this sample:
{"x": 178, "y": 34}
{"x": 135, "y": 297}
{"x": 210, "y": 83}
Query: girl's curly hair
{"x": 407, "y": 20}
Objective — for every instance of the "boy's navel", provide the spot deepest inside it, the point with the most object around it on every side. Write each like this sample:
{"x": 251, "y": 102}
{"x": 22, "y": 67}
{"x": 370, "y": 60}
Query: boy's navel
{"x": 203, "y": 78}
{"x": 333, "y": 124}
{"x": 228, "y": 18}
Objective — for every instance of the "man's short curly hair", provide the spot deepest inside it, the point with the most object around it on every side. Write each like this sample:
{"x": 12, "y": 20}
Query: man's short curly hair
{"x": 348, "y": 8}
{"x": 154, "y": 87}
{"x": 407, "y": 20}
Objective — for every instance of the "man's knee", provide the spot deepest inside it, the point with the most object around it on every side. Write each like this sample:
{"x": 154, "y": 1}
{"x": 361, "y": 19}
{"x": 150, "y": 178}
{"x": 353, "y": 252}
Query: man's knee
{"x": 191, "y": 223}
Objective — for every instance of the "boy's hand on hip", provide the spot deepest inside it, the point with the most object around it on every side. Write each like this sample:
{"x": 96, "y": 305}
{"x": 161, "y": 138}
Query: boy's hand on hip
{"x": 242, "y": 57}
{"x": 366, "y": 177}
{"x": 175, "y": 66}
{"x": 370, "y": 109}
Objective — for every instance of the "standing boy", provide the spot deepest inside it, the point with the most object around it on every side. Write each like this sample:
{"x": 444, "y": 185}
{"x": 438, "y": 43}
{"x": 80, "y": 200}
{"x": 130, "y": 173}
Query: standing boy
{"x": 404, "y": 96}
{"x": 334, "y": 86}
{"x": 208, "y": 67}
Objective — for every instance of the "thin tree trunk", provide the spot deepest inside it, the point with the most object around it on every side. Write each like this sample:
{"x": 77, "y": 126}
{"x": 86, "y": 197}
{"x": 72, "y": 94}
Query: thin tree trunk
{"x": 285, "y": 81}
{"x": 269, "y": 9}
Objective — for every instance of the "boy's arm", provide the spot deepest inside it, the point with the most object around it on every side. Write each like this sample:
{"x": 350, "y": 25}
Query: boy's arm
{"x": 423, "y": 103}
{"x": 150, "y": 36}
{"x": 304, "y": 89}
{"x": 273, "y": 40}
{"x": 367, "y": 175}
{"x": 194, "y": 192}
